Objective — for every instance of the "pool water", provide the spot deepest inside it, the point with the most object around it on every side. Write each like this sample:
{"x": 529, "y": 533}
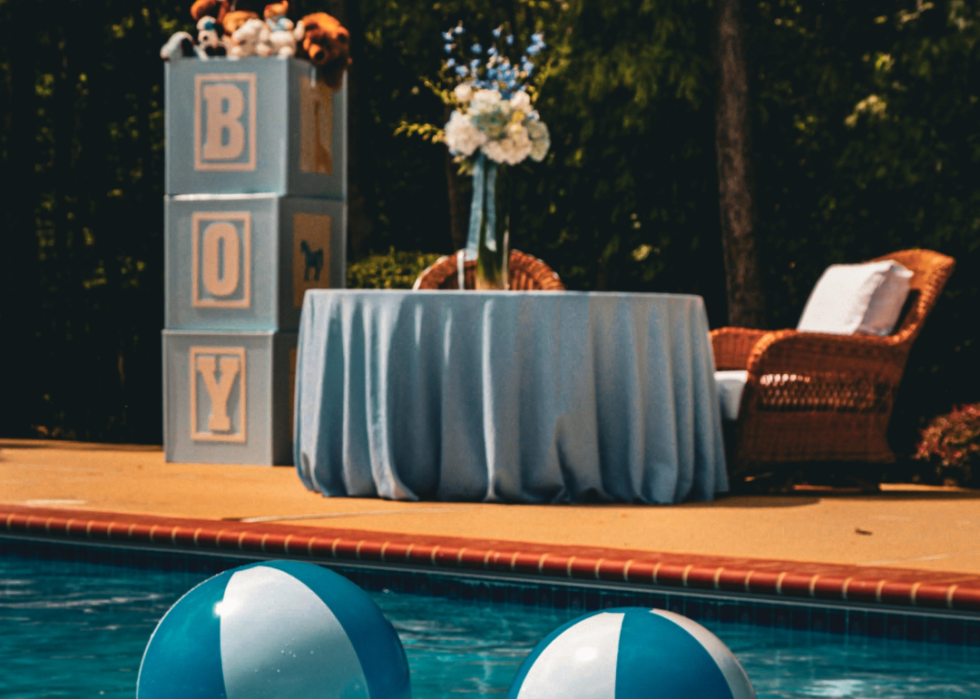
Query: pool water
{"x": 79, "y": 630}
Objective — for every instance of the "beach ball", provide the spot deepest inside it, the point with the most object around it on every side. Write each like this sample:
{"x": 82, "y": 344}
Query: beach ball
{"x": 629, "y": 653}
{"x": 283, "y": 629}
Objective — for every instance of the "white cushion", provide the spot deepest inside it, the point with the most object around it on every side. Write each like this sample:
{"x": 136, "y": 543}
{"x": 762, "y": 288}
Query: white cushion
{"x": 865, "y": 299}
{"x": 731, "y": 384}
{"x": 888, "y": 301}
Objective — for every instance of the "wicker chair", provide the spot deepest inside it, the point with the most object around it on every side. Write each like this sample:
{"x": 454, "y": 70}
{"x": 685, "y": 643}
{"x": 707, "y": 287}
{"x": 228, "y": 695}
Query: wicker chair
{"x": 527, "y": 273}
{"x": 820, "y": 397}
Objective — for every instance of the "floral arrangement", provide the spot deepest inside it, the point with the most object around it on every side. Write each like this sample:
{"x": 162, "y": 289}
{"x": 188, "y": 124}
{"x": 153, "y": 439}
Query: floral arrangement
{"x": 493, "y": 123}
{"x": 951, "y": 443}
{"x": 493, "y": 106}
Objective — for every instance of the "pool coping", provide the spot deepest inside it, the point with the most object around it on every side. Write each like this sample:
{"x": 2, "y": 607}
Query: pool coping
{"x": 922, "y": 591}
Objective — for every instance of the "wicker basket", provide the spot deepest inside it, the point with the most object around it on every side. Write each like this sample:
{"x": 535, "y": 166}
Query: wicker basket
{"x": 820, "y": 397}
{"x": 527, "y": 273}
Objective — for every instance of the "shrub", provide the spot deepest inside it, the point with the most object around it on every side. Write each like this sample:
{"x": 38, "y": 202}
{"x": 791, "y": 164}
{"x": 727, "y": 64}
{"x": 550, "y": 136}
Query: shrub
{"x": 951, "y": 445}
{"x": 395, "y": 270}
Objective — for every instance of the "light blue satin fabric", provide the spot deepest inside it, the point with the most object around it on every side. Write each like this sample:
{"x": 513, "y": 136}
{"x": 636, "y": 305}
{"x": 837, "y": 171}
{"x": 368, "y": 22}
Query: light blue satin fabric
{"x": 507, "y": 397}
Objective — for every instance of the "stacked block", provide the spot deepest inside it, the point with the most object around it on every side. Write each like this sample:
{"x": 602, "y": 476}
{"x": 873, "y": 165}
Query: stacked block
{"x": 255, "y": 215}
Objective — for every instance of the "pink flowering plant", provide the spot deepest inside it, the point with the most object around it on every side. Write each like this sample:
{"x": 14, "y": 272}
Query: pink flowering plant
{"x": 951, "y": 444}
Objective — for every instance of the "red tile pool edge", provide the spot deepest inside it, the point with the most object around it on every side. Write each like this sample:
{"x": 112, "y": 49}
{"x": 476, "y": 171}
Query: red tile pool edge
{"x": 755, "y": 577}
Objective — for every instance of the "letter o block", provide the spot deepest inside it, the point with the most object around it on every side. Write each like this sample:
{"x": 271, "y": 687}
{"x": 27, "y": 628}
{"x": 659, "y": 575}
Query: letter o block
{"x": 244, "y": 262}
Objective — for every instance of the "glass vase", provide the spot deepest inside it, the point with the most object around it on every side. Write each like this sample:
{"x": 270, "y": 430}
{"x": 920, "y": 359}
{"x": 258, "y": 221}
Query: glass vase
{"x": 493, "y": 249}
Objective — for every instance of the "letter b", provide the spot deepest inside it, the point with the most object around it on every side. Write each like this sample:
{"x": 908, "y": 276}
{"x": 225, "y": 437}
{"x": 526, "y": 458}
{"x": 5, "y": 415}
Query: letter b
{"x": 225, "y": 135}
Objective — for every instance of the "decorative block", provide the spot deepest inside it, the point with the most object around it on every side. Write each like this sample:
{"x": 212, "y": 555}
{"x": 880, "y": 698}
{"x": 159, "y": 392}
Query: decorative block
{"x": 254, "y": 125}
{"x": 244, "y": 262}
{"x": 228, "y": 397}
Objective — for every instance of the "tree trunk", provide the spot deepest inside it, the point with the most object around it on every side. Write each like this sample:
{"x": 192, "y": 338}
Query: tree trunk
{"x": 746, "y": 302}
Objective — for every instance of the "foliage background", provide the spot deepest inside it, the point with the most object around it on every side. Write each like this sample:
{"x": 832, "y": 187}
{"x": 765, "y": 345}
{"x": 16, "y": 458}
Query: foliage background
{"x": 626, "y": 200}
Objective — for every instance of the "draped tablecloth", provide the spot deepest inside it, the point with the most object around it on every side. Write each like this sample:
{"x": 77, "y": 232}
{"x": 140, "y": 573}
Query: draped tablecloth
{"x": 507, "y": 397}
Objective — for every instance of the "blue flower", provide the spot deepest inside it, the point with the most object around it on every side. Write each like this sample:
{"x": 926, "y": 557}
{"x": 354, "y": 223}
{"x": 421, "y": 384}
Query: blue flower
{"x": 533, "y": 50}
{"x": 447, "y": 36}
{"x": 449, "y": 47}
{"x": 510, "y": 39}
{"x": 459, "y": 29}
{"x": 538, "y": 39}
{"x": 492, "y": 51}
{"x": 451, "y": 62}
{"x": 461, "y": 71}
{"x": 496, "y": 32}
{"x": 476, "y": 48}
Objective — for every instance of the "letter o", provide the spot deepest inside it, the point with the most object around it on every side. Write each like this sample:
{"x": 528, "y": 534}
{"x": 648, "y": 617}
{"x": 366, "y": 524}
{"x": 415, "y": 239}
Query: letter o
{"x": 221, "y": 271}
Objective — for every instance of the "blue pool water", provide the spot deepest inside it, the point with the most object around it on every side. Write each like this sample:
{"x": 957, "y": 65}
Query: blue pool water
{"x": 78, "y": 630}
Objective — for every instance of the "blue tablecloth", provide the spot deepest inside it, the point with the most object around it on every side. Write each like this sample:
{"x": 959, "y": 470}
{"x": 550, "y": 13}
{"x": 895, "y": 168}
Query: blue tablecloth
{"x": 507, "y": 397}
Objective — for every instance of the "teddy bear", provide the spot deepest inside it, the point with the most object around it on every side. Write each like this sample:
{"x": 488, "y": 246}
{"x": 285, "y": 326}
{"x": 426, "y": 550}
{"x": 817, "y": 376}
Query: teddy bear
{"x": 250, "y": 38}
{"x": 210, "y": 8}
{"x": 327, "y": 44}
{"x": 282, "y": 31}
{"x": 235, "y": 19}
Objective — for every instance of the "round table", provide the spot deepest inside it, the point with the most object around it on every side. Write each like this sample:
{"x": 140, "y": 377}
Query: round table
{"x": 507, "y": 397}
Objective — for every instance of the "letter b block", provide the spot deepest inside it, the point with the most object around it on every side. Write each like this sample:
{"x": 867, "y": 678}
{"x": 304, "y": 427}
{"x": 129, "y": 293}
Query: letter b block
{"x": 244, "y": 262}
{"x": 254, "y": 125}
{"x": 228, "y": 397}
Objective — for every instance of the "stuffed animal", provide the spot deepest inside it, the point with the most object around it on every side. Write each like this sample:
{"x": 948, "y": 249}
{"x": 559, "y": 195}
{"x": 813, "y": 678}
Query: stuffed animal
{"x": 327, "y": 44}
{"x": 210, "y": 8}
{"x": 210, "y": 37}
{"x": 228, "y": 27}
{"x": 281, "y": 29}
{"x": 220, "y": 8}
{"x": 180, "y": 45}
{"x": 232, "y": 21}
{"x": 250, "y": 39}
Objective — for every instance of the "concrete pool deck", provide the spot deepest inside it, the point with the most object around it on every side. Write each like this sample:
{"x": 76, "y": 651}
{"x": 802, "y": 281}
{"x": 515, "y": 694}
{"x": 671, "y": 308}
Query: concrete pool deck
{"x": 908, "y": 545}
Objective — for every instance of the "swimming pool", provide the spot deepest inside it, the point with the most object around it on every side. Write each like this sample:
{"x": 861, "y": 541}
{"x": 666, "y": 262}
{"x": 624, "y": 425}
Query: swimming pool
{"x": 79, "y": 629}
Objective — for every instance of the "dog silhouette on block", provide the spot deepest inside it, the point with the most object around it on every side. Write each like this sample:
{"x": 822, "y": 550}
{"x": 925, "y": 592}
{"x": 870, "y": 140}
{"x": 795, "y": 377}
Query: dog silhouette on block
{"x": 314, "y": 261}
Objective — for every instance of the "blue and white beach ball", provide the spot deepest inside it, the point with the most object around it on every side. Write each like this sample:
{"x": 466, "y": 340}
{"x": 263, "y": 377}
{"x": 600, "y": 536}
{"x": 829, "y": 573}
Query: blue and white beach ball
{"x": 281, "y": 629}
{"x": 631, "y": 652}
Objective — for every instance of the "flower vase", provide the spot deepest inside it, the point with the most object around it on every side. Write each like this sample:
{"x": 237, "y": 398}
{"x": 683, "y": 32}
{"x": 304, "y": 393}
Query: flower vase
{"x": 491, "y": 216}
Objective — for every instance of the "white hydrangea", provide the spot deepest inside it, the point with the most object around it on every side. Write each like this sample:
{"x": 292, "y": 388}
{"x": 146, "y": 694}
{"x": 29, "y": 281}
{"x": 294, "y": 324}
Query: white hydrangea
{"x": 463, "y": 92}
{"x": 490, "y": 117}
{"x": 540, "y": 139}
{"x": 513, "y": 148}
{"x": 486, "y": 97}
{"x": 462, "y": 136}
{"x": 521, "y": 102}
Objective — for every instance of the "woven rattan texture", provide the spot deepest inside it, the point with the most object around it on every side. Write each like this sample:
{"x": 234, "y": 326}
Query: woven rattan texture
{"x": 527, "y": 273}
{"x": 819, "y": 397}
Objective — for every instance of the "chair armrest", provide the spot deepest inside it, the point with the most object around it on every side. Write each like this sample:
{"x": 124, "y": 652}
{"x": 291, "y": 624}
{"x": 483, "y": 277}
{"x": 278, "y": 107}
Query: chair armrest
{"x": 793, "y": 352}
{"x": 733, "y": 346}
